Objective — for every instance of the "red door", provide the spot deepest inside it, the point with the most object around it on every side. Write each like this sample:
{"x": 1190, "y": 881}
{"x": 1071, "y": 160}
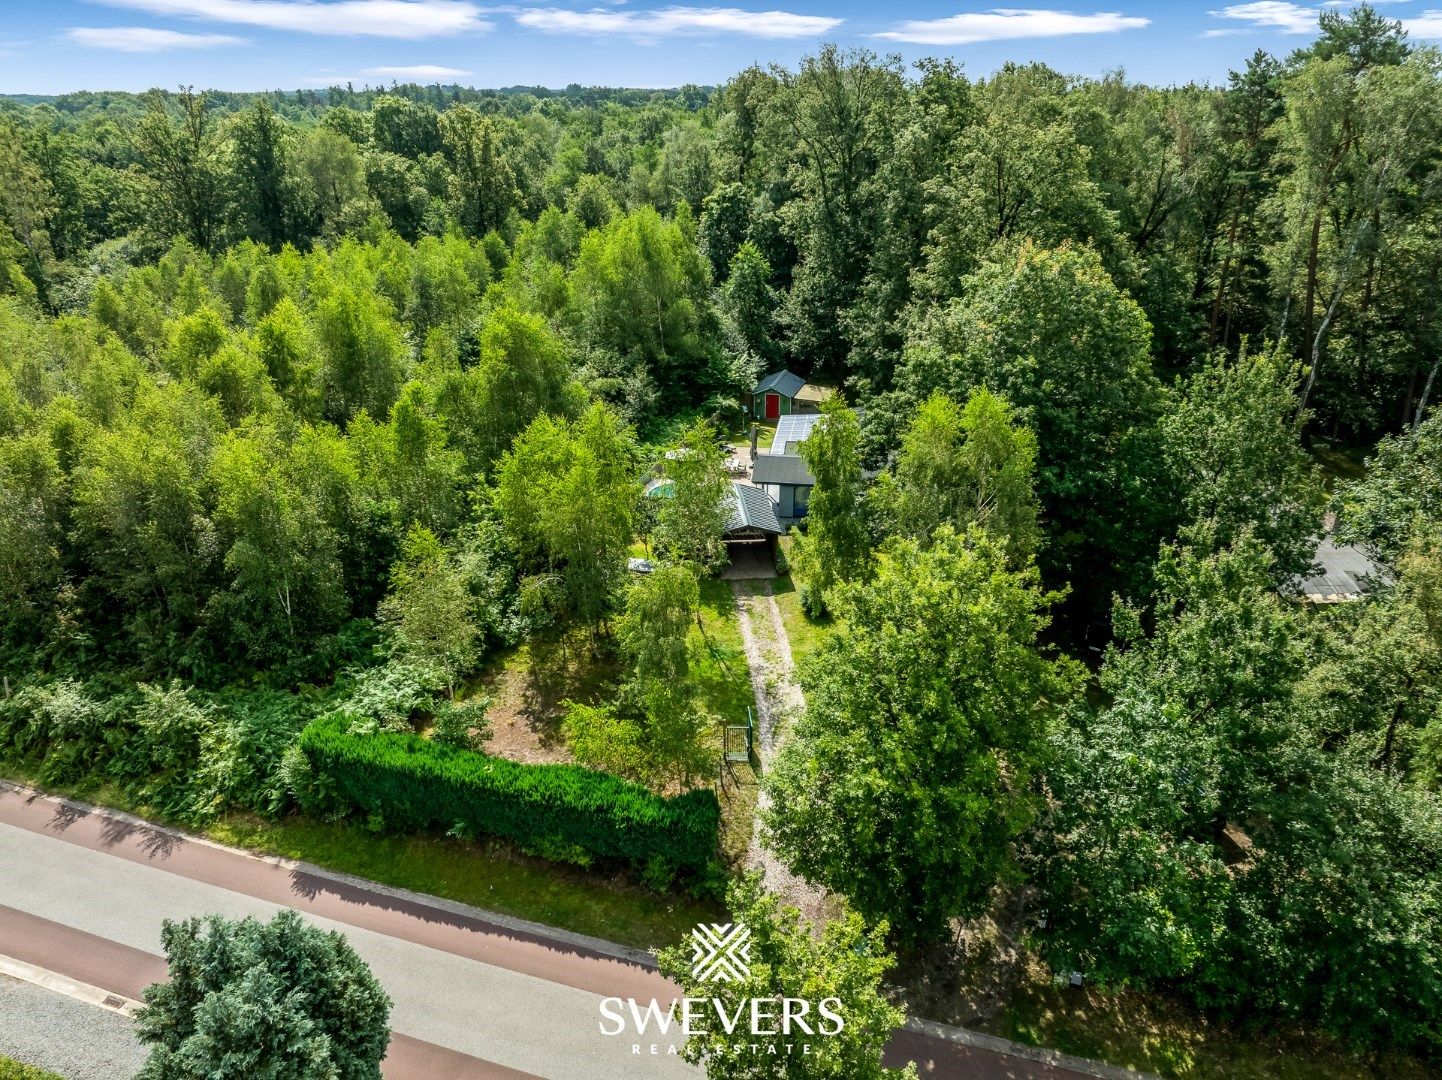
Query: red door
{"x": 773, "y": 406}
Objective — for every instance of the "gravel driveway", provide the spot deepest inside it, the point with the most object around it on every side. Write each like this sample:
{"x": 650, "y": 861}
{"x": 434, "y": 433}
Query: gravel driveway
{"x": 778, "y": 703}
{"x": 77, "y": 1040}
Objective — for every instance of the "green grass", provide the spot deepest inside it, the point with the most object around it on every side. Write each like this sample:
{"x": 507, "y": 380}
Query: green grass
{"x": 1170, "y": 1040}
{"x": 488, "y": 874}
{"x": 804, "y": 634}
{"x": 738, "y": 814}
{"x": 719, "y": 658}
{"x": 765, "y": 434}
{"x": 1340, "y": 462}
{"x": 15, "y": 1070}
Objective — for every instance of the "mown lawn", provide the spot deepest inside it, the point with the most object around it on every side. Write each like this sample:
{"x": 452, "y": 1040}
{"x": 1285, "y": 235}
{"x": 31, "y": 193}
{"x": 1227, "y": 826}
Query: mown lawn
{"x": 719, "y": 658}
{"x": 804, "y": 634}
{"x": 765, "y": 434}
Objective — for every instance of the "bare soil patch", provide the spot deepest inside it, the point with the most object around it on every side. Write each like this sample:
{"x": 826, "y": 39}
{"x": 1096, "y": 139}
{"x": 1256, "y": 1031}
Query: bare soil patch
{"x": 529, "y": 686}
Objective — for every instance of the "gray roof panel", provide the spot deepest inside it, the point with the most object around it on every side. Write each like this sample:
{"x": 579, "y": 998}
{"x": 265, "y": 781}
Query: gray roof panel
{"x": 781, "y": 469}
{"x": 1346, "y": 574}
{"x": 783, "y": 382}
{"x": 752, "y": 508}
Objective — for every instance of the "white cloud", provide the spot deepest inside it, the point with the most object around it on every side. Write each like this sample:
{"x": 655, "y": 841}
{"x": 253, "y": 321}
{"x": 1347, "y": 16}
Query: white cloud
{"x": 380, "y": 76}
{"x": 404, "y": 19}
{"x": 417, "y": 71}
{"x": 1278, "y": 15}
{"x": 1289, "y": 18}
{"x": 1009, "y": 24}
{"x": 1428, "y": 24}
{"x": 145, "y": 39}
{"x": 670, "y": 21}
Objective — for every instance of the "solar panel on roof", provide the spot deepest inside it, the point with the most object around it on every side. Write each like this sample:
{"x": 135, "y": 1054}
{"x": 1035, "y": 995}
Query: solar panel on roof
{"x": 792, "y": 430}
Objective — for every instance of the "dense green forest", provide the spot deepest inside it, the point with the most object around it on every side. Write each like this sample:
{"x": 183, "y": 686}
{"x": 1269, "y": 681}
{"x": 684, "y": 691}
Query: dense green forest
{"x": 311, "y": 401}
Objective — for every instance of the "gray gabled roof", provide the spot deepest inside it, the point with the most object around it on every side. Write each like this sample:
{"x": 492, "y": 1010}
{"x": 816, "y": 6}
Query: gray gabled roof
{"x": 781, "y": 469}
{"x": 752, "y": 508}
{"x": 783, "y": 382}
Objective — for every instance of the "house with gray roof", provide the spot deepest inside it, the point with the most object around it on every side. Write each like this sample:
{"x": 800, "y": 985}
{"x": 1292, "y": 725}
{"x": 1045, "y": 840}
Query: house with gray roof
{"x": 781, "y": 394}
{"x": 787, "y": 480}
{"x": 752, "y": 516}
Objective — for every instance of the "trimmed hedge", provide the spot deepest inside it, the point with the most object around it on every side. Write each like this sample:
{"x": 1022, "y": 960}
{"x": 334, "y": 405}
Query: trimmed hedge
{"x": 418, "y": 785}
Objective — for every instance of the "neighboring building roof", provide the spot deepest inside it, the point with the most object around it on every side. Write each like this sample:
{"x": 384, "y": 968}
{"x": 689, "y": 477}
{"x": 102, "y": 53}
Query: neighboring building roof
{"x": 783, "y": 382}
{"x": 752, "y": 508}
{"x": 1346, "y": 574}
{"x": 814, "y": 395}
{"x": 792, "y": 431}
{"x": 781, "y": 469}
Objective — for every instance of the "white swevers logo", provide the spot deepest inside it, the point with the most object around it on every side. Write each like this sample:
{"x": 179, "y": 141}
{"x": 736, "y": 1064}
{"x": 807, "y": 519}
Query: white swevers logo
{"x": 721, "y": 952}
{"x": 768, "y": 1025}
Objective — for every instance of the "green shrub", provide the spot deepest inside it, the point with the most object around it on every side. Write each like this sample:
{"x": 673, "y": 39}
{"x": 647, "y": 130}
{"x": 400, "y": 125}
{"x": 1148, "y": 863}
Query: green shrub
{"x": 242, "y": 753}
{"x": 60, "y": 724}
{"x": 15, "y": 1070}
{"x": 461, "y": 723}
{"x": 388, "y": 694}
{"x": 415, "y": 785}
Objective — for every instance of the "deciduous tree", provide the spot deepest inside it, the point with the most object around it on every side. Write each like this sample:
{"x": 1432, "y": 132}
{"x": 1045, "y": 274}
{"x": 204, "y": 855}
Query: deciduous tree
{"x": 961, "y": 466}
{"x": 910, "y": 773}
{"x": 692, "y": 520}
{"x": 428, "y": 612}
{"x": 1233, "y": 442}
{"x": 836, "y": 547}
{"x": 844, "y": 966}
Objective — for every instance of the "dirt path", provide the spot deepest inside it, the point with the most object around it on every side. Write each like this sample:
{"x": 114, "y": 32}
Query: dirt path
{"x": 778, "y": 703}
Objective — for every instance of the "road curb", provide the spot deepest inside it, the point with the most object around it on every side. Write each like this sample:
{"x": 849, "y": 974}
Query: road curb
{"x": 997, "y": 1045}
{"x": 452, "y": 907}
{"x": 71, "y": 988}
{"x": 626, "y": 954}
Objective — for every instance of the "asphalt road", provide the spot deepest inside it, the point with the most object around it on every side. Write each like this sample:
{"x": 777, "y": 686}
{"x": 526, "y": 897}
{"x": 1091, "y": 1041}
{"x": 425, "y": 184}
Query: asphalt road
{"x": 84, "y": 894}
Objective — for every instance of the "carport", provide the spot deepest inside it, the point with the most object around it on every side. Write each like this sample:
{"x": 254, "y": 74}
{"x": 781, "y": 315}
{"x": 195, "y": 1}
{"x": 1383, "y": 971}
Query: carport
{"x": 751, "y": 533}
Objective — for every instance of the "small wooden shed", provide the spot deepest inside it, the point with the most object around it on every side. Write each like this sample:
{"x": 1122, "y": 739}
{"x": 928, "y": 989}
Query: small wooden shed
{"x": 775, "y": 395}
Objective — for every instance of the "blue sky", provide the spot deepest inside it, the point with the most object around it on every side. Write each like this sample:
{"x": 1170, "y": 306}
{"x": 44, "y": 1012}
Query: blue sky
{"x": 54, "y": 46}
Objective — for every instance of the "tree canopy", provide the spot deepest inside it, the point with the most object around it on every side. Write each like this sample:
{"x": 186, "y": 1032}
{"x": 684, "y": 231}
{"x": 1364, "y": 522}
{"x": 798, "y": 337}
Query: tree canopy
{"x": 280, "y": 1000}
{"x": 934, "y": 676}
